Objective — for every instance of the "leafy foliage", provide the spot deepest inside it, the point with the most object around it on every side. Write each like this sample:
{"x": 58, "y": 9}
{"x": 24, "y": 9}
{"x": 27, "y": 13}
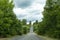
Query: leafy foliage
{"x": 9, "y": 24}
{"x": 50, "y": 25}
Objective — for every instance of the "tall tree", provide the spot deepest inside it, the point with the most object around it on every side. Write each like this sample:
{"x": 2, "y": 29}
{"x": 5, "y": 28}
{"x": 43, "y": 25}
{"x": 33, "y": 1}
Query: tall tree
{"x": 51, "y": 22}
{"x": 24, "y": 21}
{"x": 8, "y": 20}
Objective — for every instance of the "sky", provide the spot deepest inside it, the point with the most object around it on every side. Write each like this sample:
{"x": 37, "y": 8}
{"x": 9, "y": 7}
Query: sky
{"x": 31, "y": 10}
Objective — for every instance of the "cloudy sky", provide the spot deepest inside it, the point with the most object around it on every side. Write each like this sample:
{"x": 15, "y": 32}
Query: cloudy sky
{"x": 29, "y": 9}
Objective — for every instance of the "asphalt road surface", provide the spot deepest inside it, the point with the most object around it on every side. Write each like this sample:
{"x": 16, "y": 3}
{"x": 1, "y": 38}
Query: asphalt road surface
{"x": 29, "y": 36}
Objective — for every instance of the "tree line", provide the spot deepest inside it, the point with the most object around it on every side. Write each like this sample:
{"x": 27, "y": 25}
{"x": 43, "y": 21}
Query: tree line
{"x": 50, "y": 25}
{"x": 9, "y": 24}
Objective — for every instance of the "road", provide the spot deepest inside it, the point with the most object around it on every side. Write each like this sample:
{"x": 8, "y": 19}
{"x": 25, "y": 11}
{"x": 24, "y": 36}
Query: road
{"x": 29, "y": 36}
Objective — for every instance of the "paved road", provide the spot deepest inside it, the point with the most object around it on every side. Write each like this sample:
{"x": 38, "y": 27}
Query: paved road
{"x": 30, "y": 36}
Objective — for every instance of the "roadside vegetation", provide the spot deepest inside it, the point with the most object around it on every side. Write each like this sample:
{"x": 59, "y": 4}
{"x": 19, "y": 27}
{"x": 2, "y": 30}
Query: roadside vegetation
{"x": 50, "y": 25}
{"x": 9, "y": 24}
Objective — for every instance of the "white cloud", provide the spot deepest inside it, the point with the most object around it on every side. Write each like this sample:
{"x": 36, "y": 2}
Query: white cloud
{"x": 19, "y": 11}
{"x": 31, "y": 13}
{"x": 40, "y": 1}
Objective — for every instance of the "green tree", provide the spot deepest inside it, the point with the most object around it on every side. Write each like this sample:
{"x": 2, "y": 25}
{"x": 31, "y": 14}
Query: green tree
{"x": 8, "y": 21}
{"x": 51, "y": 22}
{"x": 24, "y": 22}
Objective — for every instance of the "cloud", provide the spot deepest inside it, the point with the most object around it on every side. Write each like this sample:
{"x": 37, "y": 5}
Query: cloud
{"x": 40, "y": 1}
{"x": 35, "y": 12}
{"x": 20, "y": 13}
{"x": 22, "y": 3}
{"x": 35, "y": 17}
{"x": 30, "y": 15}
{"x": 30, "y": 12}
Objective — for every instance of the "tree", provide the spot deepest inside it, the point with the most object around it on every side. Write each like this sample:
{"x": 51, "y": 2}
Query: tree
{"x": 36, "y": 21}
{"x": 8, "y": 21}
{"x": 51, "y": 22}
{"x": 24, "y": 21}
{"x": 35, "y": 24}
